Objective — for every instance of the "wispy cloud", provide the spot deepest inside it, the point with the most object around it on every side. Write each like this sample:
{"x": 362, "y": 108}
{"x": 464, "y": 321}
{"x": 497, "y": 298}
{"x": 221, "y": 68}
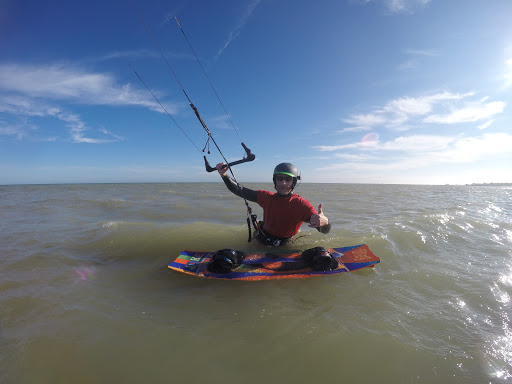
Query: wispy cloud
{"x": 439, "y": 108}
{"x": 470, "y": 113}
{"x": 403, "y": 143}
{"x": 408, "y": 65}
{"x": 220, "y": 122}
{"x": 140, "y": 54}
{"x": 405, "y": 6}
{"x": 241, "y": 23}
{"x": 486, "y": 125}
{"x": 400, "y": 6}
{"x": 423, "y": 150}
{"x": 415, "y": 58}
{"x": 63, "y": 82}
{"x": 41, "y": 91}
{"x": 508, "y": 68}
{"x": 23, "y": 108}
{"x": 18, "y": 131}
{"x": 471, "y": 149}
{"x": 422, "y": 52}
{"x": 78, "y": 128}
{"x": 406, "y": 152}
{"x": 364, "y": 122}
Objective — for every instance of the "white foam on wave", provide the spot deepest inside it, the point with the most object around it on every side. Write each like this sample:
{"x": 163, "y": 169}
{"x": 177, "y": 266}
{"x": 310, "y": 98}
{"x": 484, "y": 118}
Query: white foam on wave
{"x": 111, "y": 224}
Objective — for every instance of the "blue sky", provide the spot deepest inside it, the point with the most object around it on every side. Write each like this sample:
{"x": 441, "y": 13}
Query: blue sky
{"x": 359, "y": 91}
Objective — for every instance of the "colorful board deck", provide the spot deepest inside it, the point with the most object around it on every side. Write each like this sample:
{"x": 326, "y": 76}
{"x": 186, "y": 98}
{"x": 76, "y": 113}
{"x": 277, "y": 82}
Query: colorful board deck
{"x": 263, "y": 265}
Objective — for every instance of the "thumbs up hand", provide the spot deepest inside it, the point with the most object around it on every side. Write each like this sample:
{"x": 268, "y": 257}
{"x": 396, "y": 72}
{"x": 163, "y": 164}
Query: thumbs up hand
{"x": 319, "y": 219}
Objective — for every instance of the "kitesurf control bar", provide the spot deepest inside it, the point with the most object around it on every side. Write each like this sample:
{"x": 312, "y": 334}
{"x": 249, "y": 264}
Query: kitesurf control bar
{"x": 249, "y": 157}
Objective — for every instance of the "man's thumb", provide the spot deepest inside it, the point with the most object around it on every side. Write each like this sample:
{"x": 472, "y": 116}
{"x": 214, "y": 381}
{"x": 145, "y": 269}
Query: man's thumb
{"x": 320, "y": 209}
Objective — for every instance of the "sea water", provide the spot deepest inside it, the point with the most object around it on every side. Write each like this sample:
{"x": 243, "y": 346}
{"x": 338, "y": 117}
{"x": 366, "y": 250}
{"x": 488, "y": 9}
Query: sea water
{"x": 86, "y": 295}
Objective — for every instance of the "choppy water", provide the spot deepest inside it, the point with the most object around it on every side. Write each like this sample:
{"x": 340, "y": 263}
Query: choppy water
{"x": 86, "y": 295}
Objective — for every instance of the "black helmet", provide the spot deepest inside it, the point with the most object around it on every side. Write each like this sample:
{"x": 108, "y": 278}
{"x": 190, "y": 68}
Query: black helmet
{"x": 287, "y": 169}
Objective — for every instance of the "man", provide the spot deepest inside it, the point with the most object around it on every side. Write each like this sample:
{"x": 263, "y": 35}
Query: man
{"x": 284, "y": 211}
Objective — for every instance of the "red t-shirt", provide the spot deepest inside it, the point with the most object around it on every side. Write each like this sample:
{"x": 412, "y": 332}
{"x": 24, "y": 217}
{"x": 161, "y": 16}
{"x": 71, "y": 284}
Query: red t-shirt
{"x": 283, "y": 215}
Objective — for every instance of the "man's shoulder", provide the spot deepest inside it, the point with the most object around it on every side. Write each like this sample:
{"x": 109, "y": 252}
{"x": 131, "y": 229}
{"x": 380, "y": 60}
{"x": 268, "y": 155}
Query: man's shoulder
{"x": 301, "y": 200}
{"x": 264, "y": 195}
{"x": 298, "y": 197}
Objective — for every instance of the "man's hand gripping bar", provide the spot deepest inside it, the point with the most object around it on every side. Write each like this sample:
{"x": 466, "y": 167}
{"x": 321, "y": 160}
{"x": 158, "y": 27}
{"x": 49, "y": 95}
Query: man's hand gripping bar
{"x": 249, "y": 156}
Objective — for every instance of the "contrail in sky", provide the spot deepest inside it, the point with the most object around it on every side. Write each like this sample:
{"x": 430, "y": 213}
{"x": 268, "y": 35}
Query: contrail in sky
{"x": 235, "y": 32}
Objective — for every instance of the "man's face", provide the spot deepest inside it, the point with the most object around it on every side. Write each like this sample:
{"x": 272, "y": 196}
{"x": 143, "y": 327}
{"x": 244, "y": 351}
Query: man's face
{"x": 283, "y": 184}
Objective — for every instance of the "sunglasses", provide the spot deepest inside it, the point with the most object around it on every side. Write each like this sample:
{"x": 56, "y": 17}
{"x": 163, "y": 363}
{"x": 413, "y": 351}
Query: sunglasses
{"x": 288, "y": 179}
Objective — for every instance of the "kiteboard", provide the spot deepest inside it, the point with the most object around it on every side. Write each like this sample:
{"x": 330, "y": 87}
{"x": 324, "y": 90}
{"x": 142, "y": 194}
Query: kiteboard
{"x": 278, "y": 264}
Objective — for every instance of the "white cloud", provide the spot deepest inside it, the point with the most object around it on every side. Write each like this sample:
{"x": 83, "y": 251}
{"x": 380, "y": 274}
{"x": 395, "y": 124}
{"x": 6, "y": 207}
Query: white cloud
{"x": 23, "y": 107}
{"x": 139, "y": 54}
{"x": 33, "y": 91}
{"x": 415, "y": 57}
{"x": 412, "y": 156}
{"x": 409, "y": 106}
{"x": 327, "y": 148}
{"x": 78, "y": 128}
{"x": 414, "y": 143}
{"x": 54, "y": 81}
{"x": 408, "y": 65}
{"x": 508, "y": 71}
{"x": 471, "y": 149}
{"x": 220, "y": 122}
{"x": 354, "y": 157}
{"x": 421, "y": 152}
{"x": 417, "y": 143}
{"x": 63, "y": 82}
{"x": 439, "y": 108}
{"x": 405, "y": 6}
{"x": 422, "y": 52}
{"x": 400, "y": 6}
{"x": 16, "y": 131}
{"x": 364, "y": 122}
{"x": 486, "y": 125}
{"x": 452, "y": 148}
{"x": 470, "y": 113}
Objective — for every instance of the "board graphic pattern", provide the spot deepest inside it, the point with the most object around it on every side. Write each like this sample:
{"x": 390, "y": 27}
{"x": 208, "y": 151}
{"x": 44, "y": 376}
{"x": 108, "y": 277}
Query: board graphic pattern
{"x": 266, "y": 265}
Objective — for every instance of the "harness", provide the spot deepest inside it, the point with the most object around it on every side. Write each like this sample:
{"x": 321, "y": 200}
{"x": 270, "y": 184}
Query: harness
{"x": 270, "y": 240}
